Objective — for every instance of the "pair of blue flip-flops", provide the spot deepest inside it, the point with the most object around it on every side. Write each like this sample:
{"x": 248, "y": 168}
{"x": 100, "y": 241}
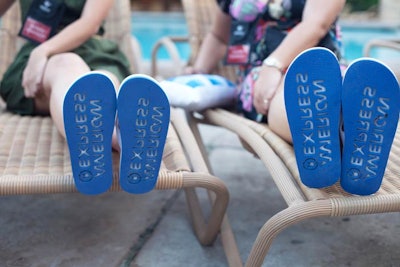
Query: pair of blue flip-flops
{"x": 318, "y": 100}
{"x": 90, "y": 109}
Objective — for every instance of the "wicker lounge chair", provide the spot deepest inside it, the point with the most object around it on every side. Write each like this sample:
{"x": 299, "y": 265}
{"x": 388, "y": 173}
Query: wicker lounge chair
{"x": 34, "y": 158}
{"x": 392, "y": 44}
{"x": 302, "y": 202}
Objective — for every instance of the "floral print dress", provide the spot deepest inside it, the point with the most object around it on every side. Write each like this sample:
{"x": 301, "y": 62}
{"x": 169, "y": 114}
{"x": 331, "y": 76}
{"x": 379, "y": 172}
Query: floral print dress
{"x": 274, "y": 19}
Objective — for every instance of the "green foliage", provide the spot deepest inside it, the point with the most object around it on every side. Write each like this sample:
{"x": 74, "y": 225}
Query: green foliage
{"x": 361, "y": 5}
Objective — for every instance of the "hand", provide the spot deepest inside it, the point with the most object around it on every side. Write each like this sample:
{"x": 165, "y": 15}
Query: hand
{"x": 33, "y": 73}
{"x": 265, "y": 87}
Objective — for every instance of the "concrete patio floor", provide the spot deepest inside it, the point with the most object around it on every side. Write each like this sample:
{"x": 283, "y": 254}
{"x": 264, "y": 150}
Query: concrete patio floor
{"x": 153, "y": 230}
{"x": 118, "y": 229}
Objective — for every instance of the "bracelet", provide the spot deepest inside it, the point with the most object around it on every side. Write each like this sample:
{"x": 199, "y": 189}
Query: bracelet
{"x": 274, "y": 63}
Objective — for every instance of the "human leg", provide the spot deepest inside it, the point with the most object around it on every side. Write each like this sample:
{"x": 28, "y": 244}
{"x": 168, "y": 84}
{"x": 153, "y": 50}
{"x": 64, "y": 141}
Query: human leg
{"x": 277, "y": 118}
{"x": 370, "y": 111}
{"x": 89, "y": 116}
{"x": 370, "y": 106}
{"x": 116, "y": 82}
{"x": 312, "y": 97}
{"x": 143, "y": 120}
{"x": 61, "y": 71}
{"x": 82, "y": 105}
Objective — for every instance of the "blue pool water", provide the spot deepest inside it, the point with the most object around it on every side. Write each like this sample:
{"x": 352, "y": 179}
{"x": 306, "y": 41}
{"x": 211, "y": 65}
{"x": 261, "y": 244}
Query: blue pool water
{"x": 149, "y": 27}
{"x": 355, "y": 38}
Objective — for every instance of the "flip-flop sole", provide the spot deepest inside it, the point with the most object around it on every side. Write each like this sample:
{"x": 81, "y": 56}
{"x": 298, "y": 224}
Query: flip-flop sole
{"x": 312, "y": 94}
{"x": 143, "y": 120}
{"x": 370, "y": 105}
{"x": 89, "y": 118}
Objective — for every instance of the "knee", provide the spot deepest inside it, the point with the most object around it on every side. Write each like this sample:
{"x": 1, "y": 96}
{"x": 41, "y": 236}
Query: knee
{"x": 112, "y": 77}
{"x": 65, "y": 60}
{"x": 63, "y": 68}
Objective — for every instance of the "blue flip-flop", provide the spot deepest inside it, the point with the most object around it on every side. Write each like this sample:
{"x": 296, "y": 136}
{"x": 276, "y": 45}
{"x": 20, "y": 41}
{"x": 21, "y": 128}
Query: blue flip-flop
{"x": 312, "y": 94}
{"x": 143, "y": 120}
{"x": 370, "y": 102}
{"x": 89, "y": 119}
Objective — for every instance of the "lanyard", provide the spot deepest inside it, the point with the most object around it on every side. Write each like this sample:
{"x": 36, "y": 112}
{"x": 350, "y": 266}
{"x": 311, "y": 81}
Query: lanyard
{"x": 42, "y": 20}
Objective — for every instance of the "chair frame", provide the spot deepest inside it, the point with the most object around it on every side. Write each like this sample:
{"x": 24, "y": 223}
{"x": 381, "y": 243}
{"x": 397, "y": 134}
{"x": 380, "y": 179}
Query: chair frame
{"x": 278, "y": 157}
{"x": 391, "y": 44}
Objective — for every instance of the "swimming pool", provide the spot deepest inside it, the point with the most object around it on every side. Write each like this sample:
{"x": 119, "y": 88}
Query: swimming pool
{"x": 148, "y": 27}
{"x": 355, "y": 38}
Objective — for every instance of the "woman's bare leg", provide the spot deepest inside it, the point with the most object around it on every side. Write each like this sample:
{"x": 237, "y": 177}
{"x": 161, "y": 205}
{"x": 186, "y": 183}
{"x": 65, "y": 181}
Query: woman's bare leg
{"x": 61, "y": 71}
{"x": 277, "y": 119}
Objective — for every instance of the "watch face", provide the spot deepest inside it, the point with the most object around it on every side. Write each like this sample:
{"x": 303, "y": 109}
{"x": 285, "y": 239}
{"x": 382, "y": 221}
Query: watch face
{"x": 272, "y": 62}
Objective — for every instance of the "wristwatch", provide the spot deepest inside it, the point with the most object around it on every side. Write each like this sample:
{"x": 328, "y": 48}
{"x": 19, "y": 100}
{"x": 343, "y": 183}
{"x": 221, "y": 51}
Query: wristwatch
{"x": 274, "y": 63}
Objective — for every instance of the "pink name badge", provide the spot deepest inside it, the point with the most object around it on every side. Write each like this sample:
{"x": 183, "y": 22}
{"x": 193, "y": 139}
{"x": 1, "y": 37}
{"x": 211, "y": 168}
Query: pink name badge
{"x": 35, "y": 30}
{"x": 238, "y": 54}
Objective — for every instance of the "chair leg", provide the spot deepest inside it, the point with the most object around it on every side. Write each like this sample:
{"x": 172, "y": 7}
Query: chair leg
{"x": 206, "y": 232}
{"x": 227, "y": 237}
{"x": 229, "y": 243}
{"x": 194, "y": 128}
{"x": 280, "y": 221}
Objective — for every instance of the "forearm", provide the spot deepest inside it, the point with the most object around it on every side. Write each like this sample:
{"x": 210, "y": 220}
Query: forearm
{"x": 214, "y": 45}
{"x": 210, "y": 54}
{"x": 270, "y": 78}
{"x": 80, "y": 30}
{"x": 318, "y": 16}
{"x": 68, "y": 39}
{"x": 303, "y": 36}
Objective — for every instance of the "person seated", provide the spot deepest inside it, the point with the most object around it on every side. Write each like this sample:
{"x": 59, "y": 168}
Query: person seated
{"x": 276, "y": 32}
{"x": 288, "y": 52}
{"x": 69, "y": 71}
{"x": 44, "y": 68}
